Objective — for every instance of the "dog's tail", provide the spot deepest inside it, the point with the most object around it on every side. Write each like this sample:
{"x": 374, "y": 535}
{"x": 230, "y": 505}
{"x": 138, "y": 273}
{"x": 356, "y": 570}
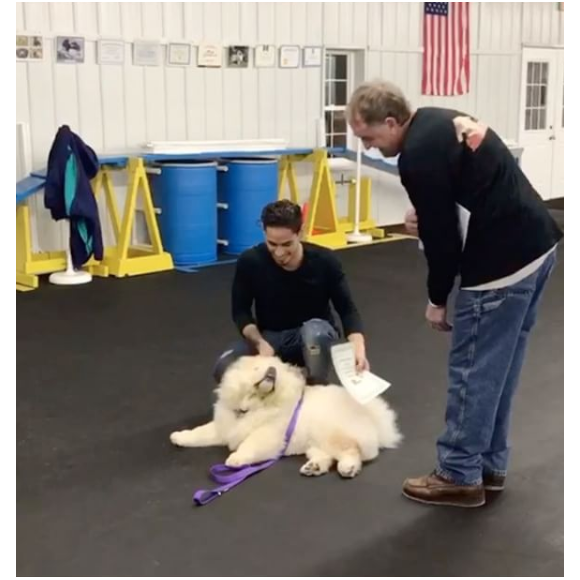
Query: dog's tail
{"x": 385, "y": 420}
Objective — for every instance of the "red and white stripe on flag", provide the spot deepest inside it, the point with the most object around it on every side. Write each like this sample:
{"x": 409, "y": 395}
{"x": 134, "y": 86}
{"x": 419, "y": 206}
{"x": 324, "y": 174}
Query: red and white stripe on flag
{"x": 445, "y": 48}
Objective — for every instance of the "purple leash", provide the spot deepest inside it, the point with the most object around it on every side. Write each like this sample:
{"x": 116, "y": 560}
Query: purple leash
{"x": 229, "y": 477}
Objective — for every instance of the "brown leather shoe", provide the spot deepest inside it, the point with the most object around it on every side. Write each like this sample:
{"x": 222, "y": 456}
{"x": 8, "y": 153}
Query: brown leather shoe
{"x": 493, "y": 482}
{"x": 433, "y": 489}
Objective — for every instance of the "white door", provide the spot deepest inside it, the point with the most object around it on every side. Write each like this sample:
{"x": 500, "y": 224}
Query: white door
{"x": 558, "y": 153}
{"x": 541, "y": 131}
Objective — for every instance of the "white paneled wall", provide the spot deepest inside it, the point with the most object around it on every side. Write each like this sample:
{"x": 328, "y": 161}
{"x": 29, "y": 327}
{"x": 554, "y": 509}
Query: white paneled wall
{"x": 120, "y": 107}
{"x": 116, "y": 108}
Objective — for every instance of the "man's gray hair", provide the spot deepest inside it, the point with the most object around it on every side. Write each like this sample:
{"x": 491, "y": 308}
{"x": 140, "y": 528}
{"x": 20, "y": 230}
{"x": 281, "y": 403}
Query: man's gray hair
{"x": 374, "y": 101}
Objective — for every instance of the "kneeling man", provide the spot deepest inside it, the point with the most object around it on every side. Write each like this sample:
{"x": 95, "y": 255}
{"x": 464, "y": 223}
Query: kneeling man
{"x": 282, "y": 295}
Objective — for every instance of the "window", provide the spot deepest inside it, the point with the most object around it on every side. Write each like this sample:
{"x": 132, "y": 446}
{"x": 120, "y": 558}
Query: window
{"x": 537, "y": 96}
{"x": 336, "y": 93}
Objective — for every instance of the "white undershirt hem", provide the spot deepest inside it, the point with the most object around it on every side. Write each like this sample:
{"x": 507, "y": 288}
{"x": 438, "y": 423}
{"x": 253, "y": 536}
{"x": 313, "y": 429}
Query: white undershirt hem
{"x": 515, "y": 277}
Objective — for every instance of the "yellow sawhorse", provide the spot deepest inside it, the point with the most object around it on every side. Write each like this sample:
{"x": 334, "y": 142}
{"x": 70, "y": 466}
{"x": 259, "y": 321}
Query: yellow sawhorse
{"x": 126, "y": 259}
{"x": 29, "y": 264}
{"x": 26, "y": 274}
{"x": 286, "y": 172}
{"x": 120, "y": 259}
{"x": 322, "y": 225}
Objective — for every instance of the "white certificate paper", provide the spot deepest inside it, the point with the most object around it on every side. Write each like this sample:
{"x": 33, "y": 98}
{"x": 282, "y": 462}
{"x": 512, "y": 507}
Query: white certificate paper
{"x": 363, "y": 387}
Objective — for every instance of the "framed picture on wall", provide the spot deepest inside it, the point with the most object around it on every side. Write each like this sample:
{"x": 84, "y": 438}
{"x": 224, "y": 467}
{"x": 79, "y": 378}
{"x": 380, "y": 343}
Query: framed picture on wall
{"x": 29, "y": 47}
{"x": 110, "y": 51}
{"x": 312, "y": 56}
{"x": 146, "y": 53}
{"x": 209, "y": 55}
{"x": 289, "y": 56}
{"x": 265, "y": 56}
{"x": 238, "y": 56}
{"x": 70, "y": 49}
{"x": 178, "y": 54}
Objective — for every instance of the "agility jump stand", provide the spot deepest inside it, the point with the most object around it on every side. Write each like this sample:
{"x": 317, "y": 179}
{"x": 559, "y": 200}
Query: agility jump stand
{"x": 26, "y": 262}
{"x": 127, "y": 259}
{"x": 322, "y": 226}
{"x": 29, "y": 264}
{"x": 120, "y": 259}
{"x": 367, "y": 225}
{"x": 286, "y": 172}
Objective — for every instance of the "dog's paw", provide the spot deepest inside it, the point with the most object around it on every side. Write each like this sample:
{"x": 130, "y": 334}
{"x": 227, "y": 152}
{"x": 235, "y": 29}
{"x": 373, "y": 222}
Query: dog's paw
{"x": 181, "y": 438}
{"x": 236, "y": 459}
{"x": 312, "y": 469}
{"x": 349, "y": 468}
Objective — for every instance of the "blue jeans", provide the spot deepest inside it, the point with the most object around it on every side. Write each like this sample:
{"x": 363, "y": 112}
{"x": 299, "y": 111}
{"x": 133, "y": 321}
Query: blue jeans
{"x": 308, "y": 346}
{"x": 490, "y": 335}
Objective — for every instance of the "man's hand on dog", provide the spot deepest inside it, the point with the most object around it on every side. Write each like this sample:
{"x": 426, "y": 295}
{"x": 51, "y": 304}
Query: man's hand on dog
{"x": 265, "y": 348}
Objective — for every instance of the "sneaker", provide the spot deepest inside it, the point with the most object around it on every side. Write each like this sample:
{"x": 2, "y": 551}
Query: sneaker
{"x": 433, "y": 489}
{"x": 493, "y": 482}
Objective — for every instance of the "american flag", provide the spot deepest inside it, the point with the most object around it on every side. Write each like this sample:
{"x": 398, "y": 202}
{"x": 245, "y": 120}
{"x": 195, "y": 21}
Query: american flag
{"x": 446, "y": 48}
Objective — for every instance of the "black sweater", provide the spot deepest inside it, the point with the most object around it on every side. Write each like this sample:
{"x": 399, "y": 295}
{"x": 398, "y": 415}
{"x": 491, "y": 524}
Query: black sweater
{"x": 509, "y": 226}
{"x": 283, "y": 299}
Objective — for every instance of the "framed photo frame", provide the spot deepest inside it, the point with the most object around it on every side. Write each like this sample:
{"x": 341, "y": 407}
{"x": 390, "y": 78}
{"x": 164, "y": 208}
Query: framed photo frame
{"x": 178, "y": 54}
{"x": 110, "y": 51}
{"x": 209, "y": 55}
{"x": 238, "y": 56}
{"x": 289, "y": 56}
{"x": 70, "y": 49}
{"x": 265, "y": 56}
{"x": 312, "y": 56}
{"x": 146, "y": 53}
{"x": 29, "y": 47}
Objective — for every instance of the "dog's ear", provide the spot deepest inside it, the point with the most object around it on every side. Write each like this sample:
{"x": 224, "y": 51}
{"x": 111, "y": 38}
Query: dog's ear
{"x": 265, "y": 387}
{"x": 268, "y": 383}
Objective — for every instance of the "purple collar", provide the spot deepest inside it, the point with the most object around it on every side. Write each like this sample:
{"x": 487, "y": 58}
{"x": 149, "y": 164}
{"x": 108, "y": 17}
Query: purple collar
{"x": 229, "y": 477}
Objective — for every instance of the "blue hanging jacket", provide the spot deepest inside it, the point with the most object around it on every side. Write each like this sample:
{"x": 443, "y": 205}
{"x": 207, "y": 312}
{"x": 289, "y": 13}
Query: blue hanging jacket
{"x": 68, "y": 194}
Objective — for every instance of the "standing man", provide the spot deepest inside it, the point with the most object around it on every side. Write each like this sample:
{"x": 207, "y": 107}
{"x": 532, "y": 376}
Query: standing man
{"x": 478, "y": 218}
{"x": 281, "y": 298}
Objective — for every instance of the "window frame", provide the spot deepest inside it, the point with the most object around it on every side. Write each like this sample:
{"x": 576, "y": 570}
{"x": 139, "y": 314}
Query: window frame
{"x": 350, "y": 76}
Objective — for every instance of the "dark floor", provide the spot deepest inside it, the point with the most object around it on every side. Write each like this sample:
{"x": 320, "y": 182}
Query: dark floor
{"x": 107, "y": 371}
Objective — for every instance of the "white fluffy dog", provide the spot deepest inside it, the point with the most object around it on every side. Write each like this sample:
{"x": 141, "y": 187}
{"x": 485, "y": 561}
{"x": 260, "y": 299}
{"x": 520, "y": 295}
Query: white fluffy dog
{"x": 255, "y": 402}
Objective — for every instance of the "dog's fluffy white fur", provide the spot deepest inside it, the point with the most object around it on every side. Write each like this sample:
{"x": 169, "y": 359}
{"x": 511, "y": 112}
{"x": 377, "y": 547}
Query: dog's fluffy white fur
{"x": 251, "y": 417}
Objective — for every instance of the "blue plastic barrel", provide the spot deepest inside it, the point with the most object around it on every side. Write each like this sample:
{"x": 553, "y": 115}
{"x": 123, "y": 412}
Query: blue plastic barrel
{"x": 186, "y": 194}
{"x": 245, "y": 187}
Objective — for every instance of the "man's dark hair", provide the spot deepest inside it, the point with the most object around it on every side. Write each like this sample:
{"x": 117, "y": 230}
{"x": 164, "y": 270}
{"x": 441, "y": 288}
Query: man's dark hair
{"x": 282, "y": 214}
